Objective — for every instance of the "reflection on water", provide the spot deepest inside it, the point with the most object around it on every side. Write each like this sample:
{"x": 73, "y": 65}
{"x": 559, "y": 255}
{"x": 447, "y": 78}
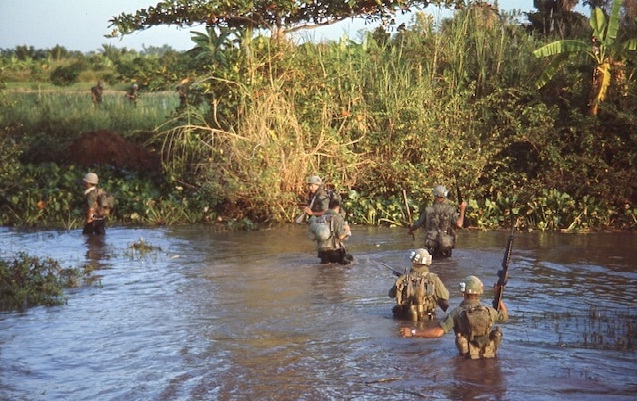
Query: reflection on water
{"x": 253, "y": 316}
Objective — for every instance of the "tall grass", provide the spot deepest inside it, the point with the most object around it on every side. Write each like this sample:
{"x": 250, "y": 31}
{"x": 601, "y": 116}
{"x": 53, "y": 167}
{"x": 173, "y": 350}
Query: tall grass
{"x": 426, "y": 107}
{"x": 449, "y": 104}
{"x": 67, "y": 112}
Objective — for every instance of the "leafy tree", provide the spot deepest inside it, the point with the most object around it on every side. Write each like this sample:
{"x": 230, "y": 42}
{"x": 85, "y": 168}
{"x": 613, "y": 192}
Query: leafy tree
{"x": 556, "y": 17}
{"x": 275, "y": 15}
{"x": 58, "y": 52}
{"x": 211, "y": 47}
{"x": 608, "y": 56}
{"x": 66, "y": 75}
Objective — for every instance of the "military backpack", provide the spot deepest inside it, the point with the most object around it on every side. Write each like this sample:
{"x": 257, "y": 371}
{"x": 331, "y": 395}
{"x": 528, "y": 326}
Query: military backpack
{"x": 105, "y": 202}
{"x": 475, "y": 325}
{"x": 416, "y": 290}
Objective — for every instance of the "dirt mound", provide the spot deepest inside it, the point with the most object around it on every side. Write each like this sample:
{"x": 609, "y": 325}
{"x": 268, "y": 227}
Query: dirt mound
{"x": 108, "y": 148}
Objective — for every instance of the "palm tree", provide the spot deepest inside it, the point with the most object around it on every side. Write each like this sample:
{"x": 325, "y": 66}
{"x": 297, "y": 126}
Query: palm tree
{"x": 607, "y": 54}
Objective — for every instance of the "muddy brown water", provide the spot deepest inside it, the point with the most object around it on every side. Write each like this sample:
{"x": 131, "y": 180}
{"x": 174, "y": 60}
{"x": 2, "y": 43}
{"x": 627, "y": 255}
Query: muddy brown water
{"x": 252, "y": 316}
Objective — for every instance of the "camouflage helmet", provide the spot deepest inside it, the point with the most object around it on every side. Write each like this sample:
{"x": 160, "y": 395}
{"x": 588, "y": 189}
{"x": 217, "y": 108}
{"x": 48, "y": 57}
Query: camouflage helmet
{"x": 471, "y": 285}
{"x": 440, "y": 191}
{"x": 420, "y": 257}
{"x": 314, "y": 179}
{"x": 91, "y": 178}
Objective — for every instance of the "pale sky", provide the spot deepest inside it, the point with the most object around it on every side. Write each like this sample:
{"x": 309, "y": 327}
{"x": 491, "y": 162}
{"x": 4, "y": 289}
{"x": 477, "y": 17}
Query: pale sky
{"x": 82, "y": 24}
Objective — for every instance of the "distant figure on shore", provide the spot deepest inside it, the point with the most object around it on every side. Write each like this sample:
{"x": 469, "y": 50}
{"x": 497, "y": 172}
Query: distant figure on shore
{"x": 132, "y": 94}
{"x": 96, "y": 93}
{"x": 183, "y": 98}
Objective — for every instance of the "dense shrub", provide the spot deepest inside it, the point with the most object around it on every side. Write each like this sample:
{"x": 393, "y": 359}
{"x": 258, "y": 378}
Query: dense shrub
{"x": 27, "y": 281}
{"x": 66, "y": 75}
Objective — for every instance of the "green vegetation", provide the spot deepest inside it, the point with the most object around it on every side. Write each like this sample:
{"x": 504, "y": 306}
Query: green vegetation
{"x": 609, "y": 56}
{"x": 27, "y": 281}
{"x": 429, "y": 104}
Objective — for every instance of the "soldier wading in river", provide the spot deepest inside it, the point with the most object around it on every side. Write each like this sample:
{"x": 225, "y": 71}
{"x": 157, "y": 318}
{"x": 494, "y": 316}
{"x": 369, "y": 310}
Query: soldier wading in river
{"x": 440, "y": 222}
{"x": 471, "y": 321}
{"x": 418, "y": 292}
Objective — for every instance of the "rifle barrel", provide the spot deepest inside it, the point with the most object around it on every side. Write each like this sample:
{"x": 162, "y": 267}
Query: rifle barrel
{"x": 503, "y": 274}
{"x": 397, "y": 274}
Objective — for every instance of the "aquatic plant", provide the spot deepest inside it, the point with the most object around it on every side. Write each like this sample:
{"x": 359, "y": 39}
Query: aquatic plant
{"x": 27, "y": 281}
{"x": 142, "y": 248}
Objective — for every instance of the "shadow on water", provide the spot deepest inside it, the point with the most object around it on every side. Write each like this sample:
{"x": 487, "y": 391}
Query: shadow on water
{"x": 251, "y": 316}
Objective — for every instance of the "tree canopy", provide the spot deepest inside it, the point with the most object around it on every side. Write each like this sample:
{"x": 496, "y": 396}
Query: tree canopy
{"x": 274, "y": 15}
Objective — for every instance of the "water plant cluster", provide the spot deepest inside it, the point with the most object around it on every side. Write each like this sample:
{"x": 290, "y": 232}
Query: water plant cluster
{"x": 27, "y": 281}
{"x": 597, "y": 328}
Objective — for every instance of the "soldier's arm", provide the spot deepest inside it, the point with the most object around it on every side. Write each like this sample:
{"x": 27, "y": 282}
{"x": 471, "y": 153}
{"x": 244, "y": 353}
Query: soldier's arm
{"x": 429, "y": 332}
{"x": 503, "y": 313}
{"x": 441, "y": 291}
{"x": 444, "y": 326}
{"x": 417, "y": 224}
{"x": 91, "y": 207}
{"x": 461, "y": 210}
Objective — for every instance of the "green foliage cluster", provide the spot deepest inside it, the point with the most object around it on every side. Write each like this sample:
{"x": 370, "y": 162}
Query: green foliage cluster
{"x": 448, "y": 104}
{"x": 66, "y": 75}
{"x": 276, "y": 15}
{"x": 50, "y": 195}
{"x": 27, "y": 281}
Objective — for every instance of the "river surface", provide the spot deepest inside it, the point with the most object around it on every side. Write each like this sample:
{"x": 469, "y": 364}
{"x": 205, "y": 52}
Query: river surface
{"x": 215, "y": 315}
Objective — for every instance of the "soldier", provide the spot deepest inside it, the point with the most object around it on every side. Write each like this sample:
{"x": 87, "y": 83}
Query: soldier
{"x": 183, "y": 98}
{"x": 440, "y": 222}
{"x": 330, "y": 230}
{"x": 318, "y": 198}
{"x": 418, "y": 292}
{"x": 472, "y": 323}
{"x": 132, "y": 95}
{"x": 96, "y": 93}
{"x": 95, "y": 222}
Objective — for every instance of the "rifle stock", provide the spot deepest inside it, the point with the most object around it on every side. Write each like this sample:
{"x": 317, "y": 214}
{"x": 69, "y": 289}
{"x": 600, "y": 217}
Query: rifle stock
{"x": 503, "y": 274}
{"x": 301, "y": 218}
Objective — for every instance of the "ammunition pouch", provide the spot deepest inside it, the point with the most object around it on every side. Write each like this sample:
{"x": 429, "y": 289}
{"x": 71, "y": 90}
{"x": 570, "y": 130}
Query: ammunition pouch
{"x": 482, "y": 347}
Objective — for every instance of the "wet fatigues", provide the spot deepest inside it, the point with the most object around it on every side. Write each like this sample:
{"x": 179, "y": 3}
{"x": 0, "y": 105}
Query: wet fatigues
{"x": 417, "y": 294}
{"x": 332, "y": 250}
{"x": 439, "y": 222}
{"x": 98, "y": 225}
{"x": 319, "y": 201}
{"x": 473, "y": 324}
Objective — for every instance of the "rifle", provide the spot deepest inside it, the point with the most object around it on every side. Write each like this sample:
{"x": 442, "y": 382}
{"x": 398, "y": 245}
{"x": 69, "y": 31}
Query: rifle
{"x": 397, "y": 274}
{"x": 460, "y": 200}
{"x": 503, "y": 275}
{"x": 408, "y": 212}
{"x": 301, "y": 218}
{"x": 459, "y": 194}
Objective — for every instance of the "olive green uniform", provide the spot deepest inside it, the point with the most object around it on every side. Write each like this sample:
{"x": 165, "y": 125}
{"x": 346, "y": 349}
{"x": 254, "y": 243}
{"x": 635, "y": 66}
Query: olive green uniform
{"x": 332, "y": 250}
{"x": 98, "y": 225}
{"x": 470, "y": 343}
{"x": 439, "y": 222}
{"x": 320, "y": 200}
{"x": 424, "y": 306}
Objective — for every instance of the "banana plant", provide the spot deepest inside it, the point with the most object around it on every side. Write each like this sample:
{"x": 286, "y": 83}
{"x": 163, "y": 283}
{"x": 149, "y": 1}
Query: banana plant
{"x": 607, "y": 55}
